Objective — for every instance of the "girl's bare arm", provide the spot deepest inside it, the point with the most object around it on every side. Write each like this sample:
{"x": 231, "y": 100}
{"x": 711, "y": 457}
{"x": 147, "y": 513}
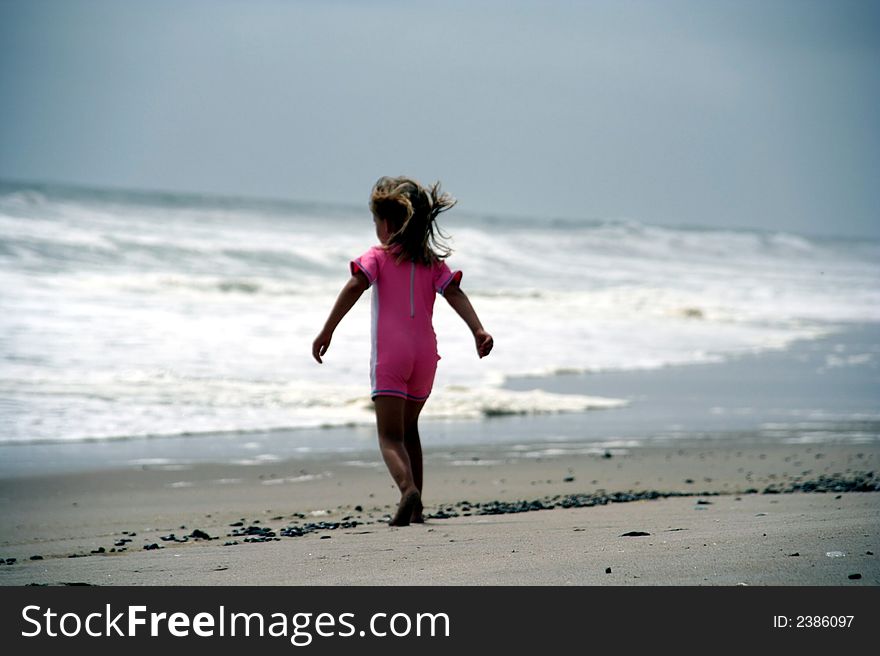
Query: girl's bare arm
{"x": 462, "y": 305}
{"x": 349, "y": 295}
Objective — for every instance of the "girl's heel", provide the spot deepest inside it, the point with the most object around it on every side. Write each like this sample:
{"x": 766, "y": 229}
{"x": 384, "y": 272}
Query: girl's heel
{"x": 408, "y": 503}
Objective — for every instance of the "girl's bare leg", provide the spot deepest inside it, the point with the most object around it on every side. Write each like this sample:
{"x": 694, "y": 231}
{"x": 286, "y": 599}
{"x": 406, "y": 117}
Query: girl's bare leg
{"x": 413, "y": 445}
{"x": 390, "y": 425}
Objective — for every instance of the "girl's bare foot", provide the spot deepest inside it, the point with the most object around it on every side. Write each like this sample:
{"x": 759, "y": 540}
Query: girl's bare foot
{"x": 408, "y": 502}
{"x": 417, "y": 517}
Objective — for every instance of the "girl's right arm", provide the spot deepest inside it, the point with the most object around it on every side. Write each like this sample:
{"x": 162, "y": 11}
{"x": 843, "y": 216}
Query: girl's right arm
{"x": 349, "y": 295}
{"x": 462, "y": 305}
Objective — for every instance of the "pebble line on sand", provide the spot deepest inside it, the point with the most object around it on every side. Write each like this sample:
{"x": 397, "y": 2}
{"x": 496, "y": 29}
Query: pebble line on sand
{"x": 856, "y": 482}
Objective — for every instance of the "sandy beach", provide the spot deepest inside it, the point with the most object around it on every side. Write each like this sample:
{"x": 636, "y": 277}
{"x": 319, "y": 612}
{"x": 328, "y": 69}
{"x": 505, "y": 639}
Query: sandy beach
{"x": 715, "y": 513}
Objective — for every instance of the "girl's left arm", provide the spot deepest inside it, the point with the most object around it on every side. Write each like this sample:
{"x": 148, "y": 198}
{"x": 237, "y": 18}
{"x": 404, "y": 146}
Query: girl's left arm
{"x": 349, "y": 295}
{"x": 462, "y": 305}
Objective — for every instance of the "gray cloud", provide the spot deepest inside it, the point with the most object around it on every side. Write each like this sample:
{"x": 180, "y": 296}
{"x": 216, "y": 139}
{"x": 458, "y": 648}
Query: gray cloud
{"x": 720, "y": 114}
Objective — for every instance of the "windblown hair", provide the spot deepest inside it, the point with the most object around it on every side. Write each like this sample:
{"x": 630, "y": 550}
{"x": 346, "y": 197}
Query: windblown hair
{"x": 411, "y": 211}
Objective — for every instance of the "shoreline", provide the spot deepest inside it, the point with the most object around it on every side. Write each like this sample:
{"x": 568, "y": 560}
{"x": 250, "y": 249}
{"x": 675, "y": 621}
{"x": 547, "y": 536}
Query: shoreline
{"x": 730, "y": 468}
{"x": 823, "y": 389}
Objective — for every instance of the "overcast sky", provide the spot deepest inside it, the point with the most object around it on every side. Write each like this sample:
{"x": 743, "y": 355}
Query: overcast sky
{"x": 709, "y": 113}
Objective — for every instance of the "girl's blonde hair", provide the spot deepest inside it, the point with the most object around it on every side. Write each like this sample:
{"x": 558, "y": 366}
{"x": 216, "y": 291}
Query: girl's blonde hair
{"x": 412, "y": 211}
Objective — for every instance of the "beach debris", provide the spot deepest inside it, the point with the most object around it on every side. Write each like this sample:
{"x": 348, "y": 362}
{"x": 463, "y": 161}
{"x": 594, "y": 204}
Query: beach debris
{"x": 796, "y": 553}
{"x": 608, "y": 570}
{"x": 173, "y": 538}
{"x": 256, "y": 534}
{"x": 220, "y": 568}
{"x": 634, "y": 534}
{"x": 703, "y": 502}
{"x": 761, "y": 514}
{"x": 835, "y": 554}
{"x": 854, "y": 482}
{"x": 854, "y": 577}
{"x": 75, "y": 583}
{"x": 99, "y": 550}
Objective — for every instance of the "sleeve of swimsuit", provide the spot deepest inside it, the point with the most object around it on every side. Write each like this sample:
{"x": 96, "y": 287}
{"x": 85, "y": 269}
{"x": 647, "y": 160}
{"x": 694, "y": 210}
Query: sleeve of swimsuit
{"x": 443, "y": 276}
{"x": 368, "y": 263}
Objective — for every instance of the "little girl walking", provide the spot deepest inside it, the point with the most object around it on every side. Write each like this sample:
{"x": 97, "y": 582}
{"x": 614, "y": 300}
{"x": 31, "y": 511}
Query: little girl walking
{"x": 405, "y": 271}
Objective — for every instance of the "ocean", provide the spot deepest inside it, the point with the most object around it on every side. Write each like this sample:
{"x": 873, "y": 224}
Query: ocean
{"x": 130, "y": 315}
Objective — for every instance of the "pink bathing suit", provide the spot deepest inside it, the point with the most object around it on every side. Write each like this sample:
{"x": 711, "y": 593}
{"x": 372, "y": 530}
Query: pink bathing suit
{"x": 404, "y": 353}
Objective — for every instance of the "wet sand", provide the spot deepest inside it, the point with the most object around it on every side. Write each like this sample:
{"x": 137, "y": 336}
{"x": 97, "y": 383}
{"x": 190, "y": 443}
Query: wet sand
{"x": 717, "y": 511}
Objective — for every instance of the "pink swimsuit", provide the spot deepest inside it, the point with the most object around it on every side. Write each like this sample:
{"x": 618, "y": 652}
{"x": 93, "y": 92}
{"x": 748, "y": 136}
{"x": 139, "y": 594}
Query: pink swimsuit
{"x": 404, "y": 346}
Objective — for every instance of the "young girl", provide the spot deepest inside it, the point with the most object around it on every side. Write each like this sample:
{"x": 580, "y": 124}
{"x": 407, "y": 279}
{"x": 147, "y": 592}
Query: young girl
{"x": 405, "y": 272}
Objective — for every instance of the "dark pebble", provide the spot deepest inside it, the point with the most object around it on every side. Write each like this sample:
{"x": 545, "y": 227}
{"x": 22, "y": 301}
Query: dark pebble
{"x": 869, "y": 553}
{"x": 201, "y": 535}
{"x": 10, "y": 561}
{"x": 237, "y": 524}
{"x": 608, "y": 570}
{"x": 568, "y": 479}
{"x": 359, "y": 508}
{"x": 796, "y": 553}
{"x": 688, "y": 480}
{"x": 634, "y": 534}
{"x": 36, "y": 558}
{"x": 703, "y": 502}
{"x": 151, "y": 547}
{"x": 98, "y": 550}
{"x": 854, "y": 576}
{"x": 326, "y": 537}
